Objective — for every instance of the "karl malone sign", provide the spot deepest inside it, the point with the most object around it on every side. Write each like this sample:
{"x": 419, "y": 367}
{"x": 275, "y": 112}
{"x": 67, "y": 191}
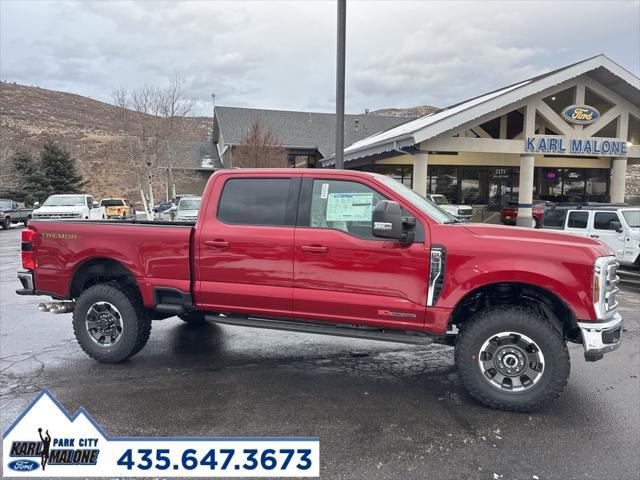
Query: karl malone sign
{"x": 604, "y": 147}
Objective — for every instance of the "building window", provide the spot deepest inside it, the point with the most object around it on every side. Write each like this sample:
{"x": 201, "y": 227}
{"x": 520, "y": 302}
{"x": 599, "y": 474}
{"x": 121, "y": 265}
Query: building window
{"x": 301, "y": 161}
{"x": 401, "y": 173}
{"x": 444, "y": 181}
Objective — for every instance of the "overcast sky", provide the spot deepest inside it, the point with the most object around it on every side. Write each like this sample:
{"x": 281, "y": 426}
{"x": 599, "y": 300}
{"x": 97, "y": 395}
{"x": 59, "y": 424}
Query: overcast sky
{"x": 282, "y": 54}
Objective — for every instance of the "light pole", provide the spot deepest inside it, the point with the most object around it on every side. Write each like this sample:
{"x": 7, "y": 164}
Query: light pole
{"x": 342, "y": 16}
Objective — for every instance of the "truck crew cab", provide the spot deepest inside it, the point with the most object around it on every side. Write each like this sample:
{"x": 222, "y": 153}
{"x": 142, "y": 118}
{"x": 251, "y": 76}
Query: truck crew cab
{"x": 343, "y": 253}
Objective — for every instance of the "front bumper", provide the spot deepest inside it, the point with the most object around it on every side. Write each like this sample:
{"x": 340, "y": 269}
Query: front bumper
{"x": 599, "y": 338}
{"x": 26, "y": 279}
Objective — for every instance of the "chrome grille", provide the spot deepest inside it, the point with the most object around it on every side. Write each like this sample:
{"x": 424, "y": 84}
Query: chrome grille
{"x": 55, "y": 216}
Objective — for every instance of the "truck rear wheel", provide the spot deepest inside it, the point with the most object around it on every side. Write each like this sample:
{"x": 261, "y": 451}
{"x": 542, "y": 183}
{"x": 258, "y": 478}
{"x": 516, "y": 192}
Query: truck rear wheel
{"x": 512, "y": 358}
{"x": 110, "y": 323}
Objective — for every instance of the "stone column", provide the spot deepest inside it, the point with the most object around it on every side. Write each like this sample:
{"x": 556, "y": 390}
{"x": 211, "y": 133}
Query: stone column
{"x": 618, "y": 179}
{"x": 420, "y": 164}
{"x": 525, "y": 198}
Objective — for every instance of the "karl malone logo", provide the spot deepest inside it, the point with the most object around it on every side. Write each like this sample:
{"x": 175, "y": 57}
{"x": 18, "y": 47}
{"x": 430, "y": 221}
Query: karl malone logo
{"x": 63, "y": 441}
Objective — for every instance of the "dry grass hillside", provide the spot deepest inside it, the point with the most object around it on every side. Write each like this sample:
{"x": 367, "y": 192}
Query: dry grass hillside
{"x": 91, "y": 130}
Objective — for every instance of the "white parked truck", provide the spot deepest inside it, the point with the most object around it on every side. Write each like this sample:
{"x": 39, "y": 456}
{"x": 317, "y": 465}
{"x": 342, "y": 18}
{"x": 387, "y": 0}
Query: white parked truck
{"x": 461, "y": 212}
{"x": 70, "y": 206}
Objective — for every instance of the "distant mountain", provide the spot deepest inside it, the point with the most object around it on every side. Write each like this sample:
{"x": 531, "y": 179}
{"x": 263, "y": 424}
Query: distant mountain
{"x": 91, "y": 130}
{"x": 415, "y": 112}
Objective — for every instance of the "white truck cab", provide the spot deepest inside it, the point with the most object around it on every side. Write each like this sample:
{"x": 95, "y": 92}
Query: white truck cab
{"x": 69, "y": 207}
{"x": 461, "y": 212}
{"x": 616, "y": 226}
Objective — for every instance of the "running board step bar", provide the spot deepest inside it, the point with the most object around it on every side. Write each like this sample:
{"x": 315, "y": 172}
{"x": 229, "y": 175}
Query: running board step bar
{"x": 363, "y": 333}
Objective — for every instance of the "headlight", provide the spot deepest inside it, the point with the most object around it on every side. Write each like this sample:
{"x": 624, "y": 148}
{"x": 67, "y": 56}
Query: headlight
{"x": 605, "y": 286}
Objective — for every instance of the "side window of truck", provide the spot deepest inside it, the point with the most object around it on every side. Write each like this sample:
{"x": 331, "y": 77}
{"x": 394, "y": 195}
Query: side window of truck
{"x": 602, "y": 220}
{"x": 255, "y": 201}
{"x": 578, "y": 220}
{"x": 343, "y": 205}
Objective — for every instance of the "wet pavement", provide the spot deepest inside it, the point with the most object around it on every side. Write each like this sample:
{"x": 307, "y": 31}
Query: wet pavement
{"x": 382, "y": 411}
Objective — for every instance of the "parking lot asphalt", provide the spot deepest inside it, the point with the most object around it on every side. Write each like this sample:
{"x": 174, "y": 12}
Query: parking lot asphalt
{"x": 381, "y": 410}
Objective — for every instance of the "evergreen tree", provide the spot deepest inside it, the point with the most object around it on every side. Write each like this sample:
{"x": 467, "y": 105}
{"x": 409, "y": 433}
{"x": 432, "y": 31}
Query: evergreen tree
{"x": 29, "y": 182}
{"x": 60, "y": 170}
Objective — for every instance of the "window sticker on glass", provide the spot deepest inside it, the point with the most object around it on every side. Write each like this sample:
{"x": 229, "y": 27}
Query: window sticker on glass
{"x": 325, "y": 190}
{"x": 349, "y": 207}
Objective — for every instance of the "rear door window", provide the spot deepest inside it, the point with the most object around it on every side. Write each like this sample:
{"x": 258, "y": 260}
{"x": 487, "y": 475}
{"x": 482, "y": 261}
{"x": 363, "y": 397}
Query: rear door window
{"x": 256, "y": 201}
{"x": 578, "y": 220}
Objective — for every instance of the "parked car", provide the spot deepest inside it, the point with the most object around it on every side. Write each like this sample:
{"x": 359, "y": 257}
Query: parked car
{"x": 188, "y": 209}
{"x": 11, "y": 212}
{"x": 164, "y": 211}
{"x": 117, "y": 207}
{"x": 618, "y": 226}
{"x": 68, "y": 207}
{"x": 509, "y": 214}
{"x": 461, "y": 212}
{"x": 343, "y": 253}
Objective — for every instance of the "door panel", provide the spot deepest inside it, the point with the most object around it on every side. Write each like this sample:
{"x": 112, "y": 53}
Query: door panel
{"x": 603, "y": 231}
{"x": 344, "y": 274}
{"x": 247, "y": 268}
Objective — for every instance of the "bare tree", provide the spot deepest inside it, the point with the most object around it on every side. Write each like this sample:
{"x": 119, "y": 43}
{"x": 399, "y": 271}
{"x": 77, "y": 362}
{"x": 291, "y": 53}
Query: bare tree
{"x": 260, "y": 148}
{"x": 153, "y": 121}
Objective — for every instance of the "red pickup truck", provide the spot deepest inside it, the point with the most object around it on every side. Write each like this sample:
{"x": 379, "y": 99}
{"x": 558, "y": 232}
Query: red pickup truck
{"x": 343, "y": 253}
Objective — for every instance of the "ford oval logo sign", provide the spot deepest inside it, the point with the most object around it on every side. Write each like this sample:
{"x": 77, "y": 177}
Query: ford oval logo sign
{"x": 23, "y": 465}
{"x": 581, "y": 114}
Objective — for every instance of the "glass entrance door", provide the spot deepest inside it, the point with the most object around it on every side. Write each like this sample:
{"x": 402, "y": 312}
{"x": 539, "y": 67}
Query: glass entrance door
{"x": 500, "y": 185}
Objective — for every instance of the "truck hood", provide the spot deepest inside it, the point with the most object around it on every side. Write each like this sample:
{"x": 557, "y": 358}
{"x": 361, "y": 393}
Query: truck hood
{"x": 534, "y": 236}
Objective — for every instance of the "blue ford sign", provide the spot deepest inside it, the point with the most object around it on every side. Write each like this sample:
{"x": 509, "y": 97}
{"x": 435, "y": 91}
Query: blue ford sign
{"x": 23, "y": 465}
{"x": 581, "y": 114}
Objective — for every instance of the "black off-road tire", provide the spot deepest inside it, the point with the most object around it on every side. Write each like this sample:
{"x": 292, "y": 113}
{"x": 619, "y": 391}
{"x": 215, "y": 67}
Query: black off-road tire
{"x": 508, "y": 318}
{"x": 193, "y": 318}
{"x": 6, "y": 223}
{"x": 135, "y": 319}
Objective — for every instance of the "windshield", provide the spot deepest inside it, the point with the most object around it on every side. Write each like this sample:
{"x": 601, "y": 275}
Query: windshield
{"x": 111, "y": 202}
{"x": 5, "y": 204}
{"x": 439, "y": 199}
{"x": 189, "y": 204}
{"x": 632, "y": 217}
{"x": 64, "y": 201}
{"x": 427, "y": 206}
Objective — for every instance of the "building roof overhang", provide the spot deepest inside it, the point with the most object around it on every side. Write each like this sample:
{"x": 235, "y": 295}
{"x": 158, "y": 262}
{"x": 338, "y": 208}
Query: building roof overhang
{"x": 412, "y": 133}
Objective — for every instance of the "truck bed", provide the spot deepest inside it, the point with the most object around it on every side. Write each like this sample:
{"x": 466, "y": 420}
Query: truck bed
{"x": 157, "y": 254}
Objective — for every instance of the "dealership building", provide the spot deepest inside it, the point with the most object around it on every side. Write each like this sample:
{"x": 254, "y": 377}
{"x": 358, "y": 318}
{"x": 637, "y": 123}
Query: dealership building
{"x": 567, "y": 135}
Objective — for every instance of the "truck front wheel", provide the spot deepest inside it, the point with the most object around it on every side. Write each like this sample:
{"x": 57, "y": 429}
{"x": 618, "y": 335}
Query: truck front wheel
{"x": 110, "y": 323}
{"x": 512, "y": 358}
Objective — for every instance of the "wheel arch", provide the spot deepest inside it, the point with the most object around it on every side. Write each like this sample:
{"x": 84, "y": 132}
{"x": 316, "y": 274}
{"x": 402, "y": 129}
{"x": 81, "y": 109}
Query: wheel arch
{"x": 546, "y": 302}
{"x": 98, "y": 270}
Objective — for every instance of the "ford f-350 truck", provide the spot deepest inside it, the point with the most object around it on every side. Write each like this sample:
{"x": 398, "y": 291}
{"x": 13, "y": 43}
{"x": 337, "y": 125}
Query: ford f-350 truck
{"x": 343, "y": 253}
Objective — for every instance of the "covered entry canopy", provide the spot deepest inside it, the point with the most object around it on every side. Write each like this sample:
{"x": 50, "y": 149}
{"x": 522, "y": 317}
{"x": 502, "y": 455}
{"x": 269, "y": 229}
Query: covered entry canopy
{"x": 583, "y": 116}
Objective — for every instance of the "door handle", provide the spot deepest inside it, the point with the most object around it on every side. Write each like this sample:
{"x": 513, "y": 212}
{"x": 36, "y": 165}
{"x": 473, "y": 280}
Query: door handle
{"x": 314, "y": 248}
{"x": 594, "y": 236}
{"x": 216, "y": 243}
